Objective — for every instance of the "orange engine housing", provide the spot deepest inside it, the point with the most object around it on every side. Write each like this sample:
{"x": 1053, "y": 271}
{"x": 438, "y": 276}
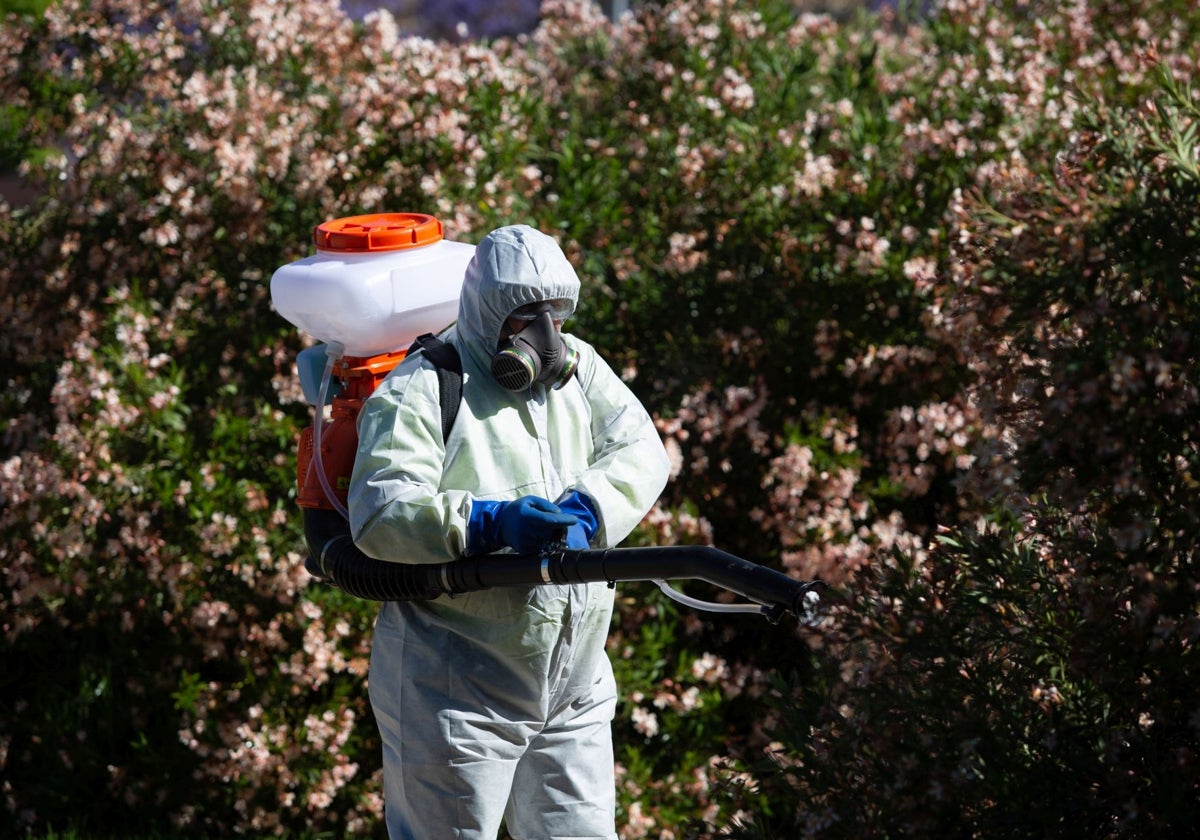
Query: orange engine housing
{"x": 359, "y": 377}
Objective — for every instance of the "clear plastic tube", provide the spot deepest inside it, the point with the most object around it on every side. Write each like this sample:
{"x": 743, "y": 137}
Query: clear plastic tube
{"x": 709, "y": 606}
{"x": 333, "y": 352}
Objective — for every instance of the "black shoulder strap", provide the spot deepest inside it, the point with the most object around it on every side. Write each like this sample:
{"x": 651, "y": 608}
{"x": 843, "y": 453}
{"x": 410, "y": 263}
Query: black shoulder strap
{"x": 450, "y": 375}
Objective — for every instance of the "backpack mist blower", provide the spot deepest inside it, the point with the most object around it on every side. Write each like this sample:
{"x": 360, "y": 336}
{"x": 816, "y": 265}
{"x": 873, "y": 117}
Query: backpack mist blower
{"x": 379, "y": 286}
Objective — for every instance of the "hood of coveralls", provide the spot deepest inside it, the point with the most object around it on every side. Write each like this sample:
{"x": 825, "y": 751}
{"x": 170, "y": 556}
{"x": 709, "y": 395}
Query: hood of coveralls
{"x": 513, "y": 266}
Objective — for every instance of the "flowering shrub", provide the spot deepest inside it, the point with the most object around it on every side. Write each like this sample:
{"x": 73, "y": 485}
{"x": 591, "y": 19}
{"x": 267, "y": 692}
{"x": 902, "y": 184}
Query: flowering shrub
{"x": 1028, "y": 673}
{"x": 910, "y": 300}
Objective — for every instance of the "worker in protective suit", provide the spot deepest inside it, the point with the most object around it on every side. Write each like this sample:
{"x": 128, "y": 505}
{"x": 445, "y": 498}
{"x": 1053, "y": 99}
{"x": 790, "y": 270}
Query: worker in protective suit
{"x": 497, "y": 705}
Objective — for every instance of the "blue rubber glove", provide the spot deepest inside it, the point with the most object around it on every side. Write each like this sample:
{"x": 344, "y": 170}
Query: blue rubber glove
{"x": 531, "y": 522}
{"x": 576, "y": 538}
{"x": 579, "y": 535}
{"x": 527, "y": 525}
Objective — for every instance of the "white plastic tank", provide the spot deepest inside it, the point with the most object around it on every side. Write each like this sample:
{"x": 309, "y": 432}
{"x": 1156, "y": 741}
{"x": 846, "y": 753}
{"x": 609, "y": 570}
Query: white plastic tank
{"x": 375, "y": 284}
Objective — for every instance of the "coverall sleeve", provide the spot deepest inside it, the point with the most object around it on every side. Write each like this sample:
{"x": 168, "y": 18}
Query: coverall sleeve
{"x": 398, "y": 512}
{"x": 629, "y": 465}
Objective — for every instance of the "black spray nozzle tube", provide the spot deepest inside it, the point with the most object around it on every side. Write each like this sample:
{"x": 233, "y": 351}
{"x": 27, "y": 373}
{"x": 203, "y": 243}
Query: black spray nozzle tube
{"x": 335, "y": 558}
{"x": 680, "y": 562}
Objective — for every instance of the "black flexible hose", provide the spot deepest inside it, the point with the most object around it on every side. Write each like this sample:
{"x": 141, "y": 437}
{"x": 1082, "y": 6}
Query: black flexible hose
{"x": 335, "y": 558}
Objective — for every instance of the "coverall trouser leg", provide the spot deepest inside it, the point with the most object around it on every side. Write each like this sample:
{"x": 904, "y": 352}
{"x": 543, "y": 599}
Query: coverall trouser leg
{"x": 460, "y": 757}
{"x": 564, "y": 785}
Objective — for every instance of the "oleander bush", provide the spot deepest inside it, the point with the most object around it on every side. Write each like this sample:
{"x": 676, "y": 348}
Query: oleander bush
{"x": 910, "y": 295}
{"x": 1033, "y": 676}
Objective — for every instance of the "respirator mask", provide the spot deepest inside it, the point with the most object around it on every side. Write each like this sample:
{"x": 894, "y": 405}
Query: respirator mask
{"x": 537, "y": 353}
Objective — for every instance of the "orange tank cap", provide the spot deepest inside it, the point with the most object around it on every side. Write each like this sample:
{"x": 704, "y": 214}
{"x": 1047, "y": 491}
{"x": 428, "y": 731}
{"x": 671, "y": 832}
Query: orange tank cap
{"x": 378, "y": 232}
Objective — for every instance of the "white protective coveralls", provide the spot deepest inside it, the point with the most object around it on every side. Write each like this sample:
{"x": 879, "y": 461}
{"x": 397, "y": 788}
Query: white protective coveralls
{"x": 498, "y": 704}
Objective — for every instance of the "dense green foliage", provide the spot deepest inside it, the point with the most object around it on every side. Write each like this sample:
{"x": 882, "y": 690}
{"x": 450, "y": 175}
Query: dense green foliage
{"x": 912, "y": 302}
